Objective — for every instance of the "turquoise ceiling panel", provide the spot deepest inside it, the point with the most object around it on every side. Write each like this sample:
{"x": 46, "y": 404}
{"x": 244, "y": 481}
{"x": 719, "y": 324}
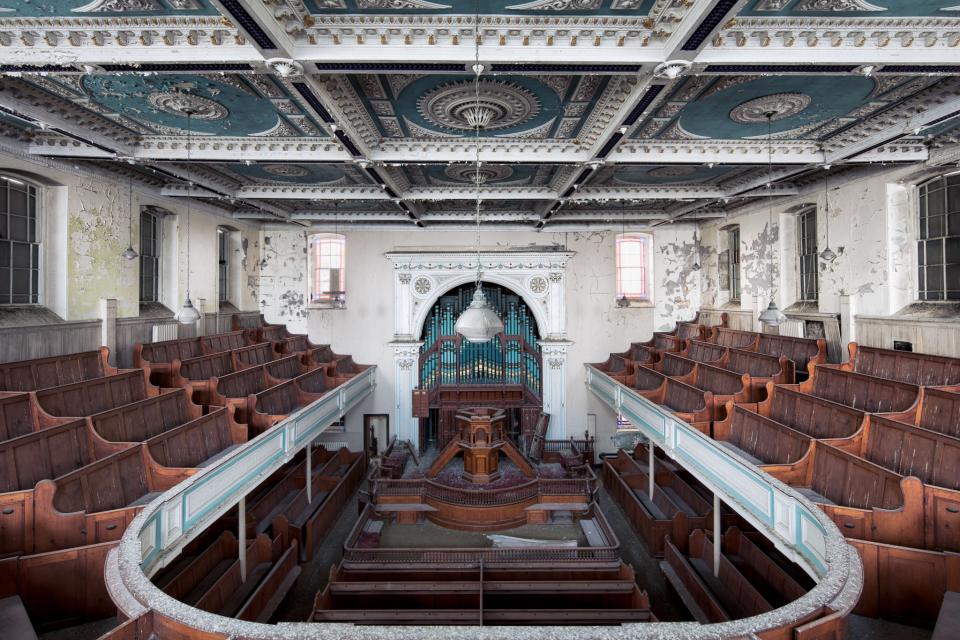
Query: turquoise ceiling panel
{"x": 860, "y": 8}
{"x": 669, "y": 174}
{"x": 799, "y": 102}
{"x": 287, "y": 172}
{"x": 486, "y": 7}
{"x": 103, "y": 8}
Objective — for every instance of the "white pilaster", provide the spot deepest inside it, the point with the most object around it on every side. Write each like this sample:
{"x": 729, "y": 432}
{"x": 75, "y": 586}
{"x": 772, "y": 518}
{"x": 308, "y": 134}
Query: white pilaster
{"x": 554, "y": 354}
{"x": 848, "y": 325}
{"x": 108, "y": 326}
{"x": 406, "y": 368}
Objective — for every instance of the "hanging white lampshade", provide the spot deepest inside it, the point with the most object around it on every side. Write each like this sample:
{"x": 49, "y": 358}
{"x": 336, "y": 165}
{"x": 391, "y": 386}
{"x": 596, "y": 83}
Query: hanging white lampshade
{"x": 188, "y": 314}
{"x": 478, "y": 322}
{"x": 772, "y": 315}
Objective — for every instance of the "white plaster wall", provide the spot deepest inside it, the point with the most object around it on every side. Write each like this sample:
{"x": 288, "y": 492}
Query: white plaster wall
{"x": 365, "y": 328}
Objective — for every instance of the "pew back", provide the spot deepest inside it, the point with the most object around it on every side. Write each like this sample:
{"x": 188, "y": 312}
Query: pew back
{"x": 910, "y": 451}
{"x": 904, "y": 366}
{"x": 860, "y": 391}
{"x": 49, "y": 453}
{"x": 192, "y": 444}
{"x": 145, "y": 419}
{"x": 762, "y": 438}
{"x": 220, "y": 342}
{"x": 40, "y": 373}
{"x": 813, "y": 416}
{"x": 253, "y": 356}
{"x": 850, "y": 481}
{"x": 18, "y": 415}
{"x": 734, "y": 338}
{"x": 799, "y": 350}
{"x": 702, "y": 351}
{"x": 93, "y": 396}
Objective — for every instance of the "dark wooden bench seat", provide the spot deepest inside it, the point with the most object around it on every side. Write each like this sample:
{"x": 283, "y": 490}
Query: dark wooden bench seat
{"x": 285, "y": 368}
{"x": 866, "y": 501}
{"x": 803, "y": 352}
{"x": 687, "y": 401}
{"x": 675, "y": 366}
{"x": 734, "y": 338}
{"x": 662, "y": 342}
{"x": 320, "y": 356}
{"x": 761, "y": 368}
{"x": 157, "y": 357}
{"x": 808, "y": 414}
{"x": 253, "y": 356}
{"x": 938, "y": 410}
{"x": 617, "y": 367}
{"x": 270, "y": 406}
{"x": 759, "y": 439}
{"x": 703, "y": 351}
{"x": 273, "y": 495}
{"x": 345, "y": 368}
{"x": 863, "y": 392}
{"x": 308, "y": 522}
{"x": 189, "y": 581}
{"x": 40, "y": 373}
{"x": 639, "y": 353}
{"x": 195, "y": 373}
{"x": 20, "y": 415}
{"x": 723, "y": 385}
{"x": 144, "y": 419}
{"x": 920, "y": 369}
{"x": 676, "y": 509}
{"x": 234, "y": 388}
{"x": 198, "y": 443}
{"x": 93, "y": 396}
{"x": 96, "y": 502}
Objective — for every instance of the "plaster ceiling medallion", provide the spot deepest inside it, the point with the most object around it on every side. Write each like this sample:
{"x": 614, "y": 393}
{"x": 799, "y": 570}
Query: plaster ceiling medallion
{"x": 285, "y": 67}
{"x": 286, "y": 170}
{"x": 538, "y": 285}
{"x": 672, "y": 172}
{"x": 501, "y": 105}
{"x": 836, "y": 5}
{"x": 781, "y": 105}
{"x": 671, "y": 69}
{"x": 488, "y": 173}
{"x": 422, "y": 285}
{"x": 180, "y": 104}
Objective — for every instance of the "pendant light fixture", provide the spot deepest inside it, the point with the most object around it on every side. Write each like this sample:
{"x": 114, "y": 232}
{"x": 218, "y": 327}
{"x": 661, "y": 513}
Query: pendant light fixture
{"x": 622, "y": 301}
{"x": 130, "y": 253}
{"x": 188, "y": 314}
{"x": 827, "y": 255}
{"x": 771, "y": 316}
{"x": 478, "y": 323}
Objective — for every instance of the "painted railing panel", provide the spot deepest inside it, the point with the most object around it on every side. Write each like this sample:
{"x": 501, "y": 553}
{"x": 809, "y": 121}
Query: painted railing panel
{"x": 792, "y": 525}
{"x": 194, "y": 504}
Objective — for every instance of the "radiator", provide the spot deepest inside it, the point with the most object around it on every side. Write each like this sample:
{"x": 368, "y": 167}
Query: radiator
{"x": 163, "y": 332}
{"x": 333, "y": 445}
{"x": 794, "y": 328}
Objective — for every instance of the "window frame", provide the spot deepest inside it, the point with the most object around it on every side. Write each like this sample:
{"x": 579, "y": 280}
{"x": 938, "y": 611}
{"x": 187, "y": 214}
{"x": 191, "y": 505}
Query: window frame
{"x": 733, "y": 262}
{"x": 315, "y": 296}
{"x": 645, "y": 240}
{"x": 32, "y": 191}
{"x": 223, "y": 265}
{"x": 156, "y": 257}
{"x": 948, "y": 238}
{"x": 805, "y": 218}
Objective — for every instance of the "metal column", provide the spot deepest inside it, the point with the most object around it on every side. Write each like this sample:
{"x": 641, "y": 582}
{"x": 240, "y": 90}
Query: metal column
{"x": 242, "y": 536}
{"x": 716, "y": 535}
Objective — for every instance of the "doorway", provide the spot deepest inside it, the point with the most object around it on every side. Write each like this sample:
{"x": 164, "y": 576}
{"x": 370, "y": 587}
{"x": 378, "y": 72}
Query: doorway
{"x": 376, "y": 433}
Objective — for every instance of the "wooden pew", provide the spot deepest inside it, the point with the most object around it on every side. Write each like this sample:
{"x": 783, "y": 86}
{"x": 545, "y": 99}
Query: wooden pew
{"x": 270, "y": 406}
{"x": 157, "y": 357}
{"x": 688, "y": 402}
{"x": 139, "y": 421}
{"x": 920, "y": 369}
{"x": 810, "y": 415}
{"x": 802, "y": 351}
{"x": 40, "y": 373}
{"x": 96, "y": 503}
{"x": 675, "y": 366}
{"x": 662, "y": 342}
{"x": 93, "y": 396}
{"x": 703, "y": 351}
{"x": 187, "y": 581}
{"x": 761, "y": 368}
{"x": 617, "y": 367}
{"x": 758, "y": 439}
{"x": 320, "y": 357}
{"x": 734, "y": 338}
{"x": 253, "y": 356}
{"x": 283, "y": 369}
{"x": 194, "y": 373}
{"x": 198, "y": 443}
{"x": 234, "y": 388}
{"x": 938, "y": 410}
{"x": 866, "y": 501}
{"x": 345, "y": 368}
{"x": 20, "y": 415}
{"x": 863, "y": 392}
{"x": 723, "y": 385}
{"x": 307, "y": 523}
{"x": 272, "y": 496}
{"x": 675, "y": 510}
{"x": 640, "y": 354}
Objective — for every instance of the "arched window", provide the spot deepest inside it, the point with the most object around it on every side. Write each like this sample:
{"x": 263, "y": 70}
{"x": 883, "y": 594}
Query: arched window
{"x": 634, "y": 266}
{"x": 328, "y": 282}
{"x": 19, "y": 242}
{"x": 938, "y": 239}
{"x": 223, "y": 265}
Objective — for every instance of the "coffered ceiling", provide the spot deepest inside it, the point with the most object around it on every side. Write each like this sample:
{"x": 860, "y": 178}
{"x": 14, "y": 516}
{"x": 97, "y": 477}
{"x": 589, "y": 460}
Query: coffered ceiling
{"x": 597, "y": 112}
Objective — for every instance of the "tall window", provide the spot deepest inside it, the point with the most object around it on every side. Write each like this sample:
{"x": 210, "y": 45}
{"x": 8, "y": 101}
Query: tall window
{"x": 807, "y": 252}
{"x": 150, "y": 239}
{"x": 327, "y": 255}
{"x": 733, "y": 243}
{"x": 938, "y": 247}
{"x": 633, "y": 266}
{"x": 19, "y": 244}
{"x": 223, "y": 265}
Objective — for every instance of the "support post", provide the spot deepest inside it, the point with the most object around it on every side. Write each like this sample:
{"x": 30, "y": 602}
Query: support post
{"x": 716, "y": 535}
{"x": 651, "y": 448}
{"x": 242, "y": 536}
{"x": 310, "y": 473}
{"x": 108, "y": 327}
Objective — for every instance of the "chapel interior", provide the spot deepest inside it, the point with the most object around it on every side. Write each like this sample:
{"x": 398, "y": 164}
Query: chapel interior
{"x": 394, "y": 319}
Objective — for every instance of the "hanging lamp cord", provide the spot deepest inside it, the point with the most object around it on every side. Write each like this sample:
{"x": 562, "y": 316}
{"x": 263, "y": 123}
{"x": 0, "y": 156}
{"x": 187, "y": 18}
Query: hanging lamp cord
{"x": 476, "y": 123}
{"x": 189, "y": 189}
{"x": 769, "y": 115}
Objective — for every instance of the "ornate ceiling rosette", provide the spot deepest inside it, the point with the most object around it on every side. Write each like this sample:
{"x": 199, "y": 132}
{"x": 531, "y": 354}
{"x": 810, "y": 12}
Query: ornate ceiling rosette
{"x": 488, "y": 173}
{"x": 781, "y": 105}
{"x": 180, "y": 103}
{"x": 502, "y": 105}
{"x": 681, "y": 171}
{"x": 286, "y": 170}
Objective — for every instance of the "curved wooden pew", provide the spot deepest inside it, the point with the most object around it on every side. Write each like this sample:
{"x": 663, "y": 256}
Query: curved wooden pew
{"x": 157, "y": 357}
{"x": 20, "y": 415}
{"x": 703, "y": 351}
{"x": 723, "y": 385}
{"x": 96, "y": 503}
{"x": 320, "y": 356}
{"x": 195, "y": 373}
{"x": 938, "y": 410}
{"x": 903, "y": 366}
{"x": 93, "y": 396}
{"x": 863, "y": 392}
{"x": 866, "y": 501}
{"x": 762, "y": 369}
{"x": 688, "y": 402}
{"x": 758, "y": 439}
{"x": 285, "y": 368}
{"x": 662, "y": 342}
{"x": 803, "y": 352}
{"x": 198, "y": 443}
{"x": 810, "y": 415}
{"x": 268, "y": 407}
{"x": 144, "y": 419}
{"x": 345, "y": 368}
{"x": 617, "y": 367}
{"x": 734, "y": 338}
{"x": 234, "y": 388}
{"x": 40, "y": 373}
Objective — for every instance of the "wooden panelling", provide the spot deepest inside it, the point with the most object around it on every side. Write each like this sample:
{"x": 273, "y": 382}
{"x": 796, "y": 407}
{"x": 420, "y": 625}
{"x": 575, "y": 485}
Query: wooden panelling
{"x": 93, "y": 396}
{"x": 44, "y": 341}
{"x": 138, "y": 421}
{"x": 31, "y": 375}
{"x": 760, "y": 437}
{"x": 934, "y": 336}
{"x": 813, "y": 416}
{"x": 904, "y": 366}
{"x": 859, "y": 391}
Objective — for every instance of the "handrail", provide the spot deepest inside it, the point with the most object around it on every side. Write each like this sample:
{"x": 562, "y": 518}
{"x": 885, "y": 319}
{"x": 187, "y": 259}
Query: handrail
{"x": 838, "y": 586}
{"x": 190, "y": 507}
{"x": 428, "y": 488}
{"x": 791, "y": 522}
